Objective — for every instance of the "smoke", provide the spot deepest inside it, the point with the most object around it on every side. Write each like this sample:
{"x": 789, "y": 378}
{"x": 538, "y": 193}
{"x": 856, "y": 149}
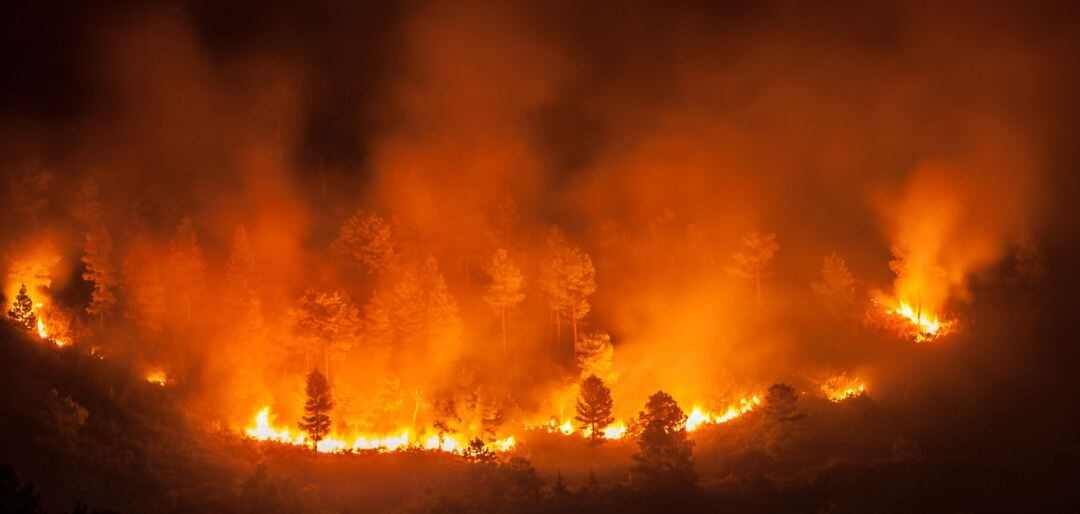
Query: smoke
{"x": 655, "y": 140}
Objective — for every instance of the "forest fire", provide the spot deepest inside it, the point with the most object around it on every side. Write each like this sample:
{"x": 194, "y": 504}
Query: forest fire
{"x": 437, "y": 256}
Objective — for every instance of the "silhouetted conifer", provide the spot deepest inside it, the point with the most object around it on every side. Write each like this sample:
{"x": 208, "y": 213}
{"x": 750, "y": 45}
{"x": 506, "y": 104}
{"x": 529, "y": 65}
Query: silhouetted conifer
{"x": 316, "y": 422}
{"x": 594, "y": 407}
{"x": 22, "y": 310}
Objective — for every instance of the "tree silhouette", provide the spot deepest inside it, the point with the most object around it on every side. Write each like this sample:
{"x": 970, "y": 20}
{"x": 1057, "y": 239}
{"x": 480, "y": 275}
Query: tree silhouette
{"x": 567, "y": 277}
{"x": 752, "y": 261}
{"x": 316, "y": 421}
{"x": 17, "y": 498}
{"x": 837, "y": 285}
{"x": 782, "y": 417}
{"x": 477, "y": 451}
{"x": 505, "y": 290}
{"x": 97, "y": 251}
{"x": 664, "y": 461}
{"x": 594, "y": 407}
{"x": 22, "y": 310}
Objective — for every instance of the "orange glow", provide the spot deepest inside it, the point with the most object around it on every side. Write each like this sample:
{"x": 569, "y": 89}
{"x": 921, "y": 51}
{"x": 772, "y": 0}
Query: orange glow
{"x": 615, "y": 430}
{"x": 925, "y": 325}
{"x": 42, "y": 331}
{"x": 699, "y": 416}
{"x": 264, "y": 430}
{"x": 842, "y": 387}
{"x": 157, "y": 377}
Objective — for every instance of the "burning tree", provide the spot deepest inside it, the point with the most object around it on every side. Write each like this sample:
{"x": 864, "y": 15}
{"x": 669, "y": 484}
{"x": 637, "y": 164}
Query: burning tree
{"x": 22, "y": 310}
{"x": 316, "y": 421}
{"x": 664, "y": 461}
{"x": 330, "y": 320}
{"x": 368, "y": 240}
{"x": 752, "y": 262}
{"x": 567, "y": 277}
{"x": 594, "y": 356}
{"x": 921, "y": 288}
{"x": 504, "y": 293}
{"x": 594, "y": 407}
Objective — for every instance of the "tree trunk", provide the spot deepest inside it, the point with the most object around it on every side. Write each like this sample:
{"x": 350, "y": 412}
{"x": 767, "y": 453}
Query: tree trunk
{"x": 573, "y": 324}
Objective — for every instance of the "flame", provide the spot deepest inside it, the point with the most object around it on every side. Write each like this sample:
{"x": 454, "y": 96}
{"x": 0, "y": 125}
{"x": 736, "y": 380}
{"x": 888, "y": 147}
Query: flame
{"x": 699, "y": 416}
{"x": 157, "y": 377}
{"x": 263, "y": 430}
{"x": 615, "y": 430}
{"x": 41, "y": 330}
{"x": 842, "y": 387}
{"x": 445, "y": 443}
{"x": 43, "y": 333}
{"x": 504, "y": 445}
{"x": 927, "y": 326}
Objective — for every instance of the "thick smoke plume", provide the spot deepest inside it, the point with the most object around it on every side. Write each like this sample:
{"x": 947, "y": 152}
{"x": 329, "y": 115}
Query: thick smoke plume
{"x": 239, "y": 179}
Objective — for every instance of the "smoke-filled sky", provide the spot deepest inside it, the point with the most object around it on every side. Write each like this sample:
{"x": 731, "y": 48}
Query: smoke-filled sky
{"x": 655, "y": 134}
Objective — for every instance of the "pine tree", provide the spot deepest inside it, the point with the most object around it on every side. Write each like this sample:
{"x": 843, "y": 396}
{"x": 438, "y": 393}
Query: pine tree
{"x": 245, "y": 325}
{"x": 567, "y": 277}
{"x": 187, "y": 267}
{"x": 330, "y": 321}
{"x": 664, "y": 461}
{"x": 442, "y": 322}
{"x": 316, "y": 420}
{"x": 837, "y": 285}
{"x": 594, "y": 407}
{"x": 369, "y": 241}
{"x": 97, "y": 255}
{"x": 752, "y": 261}
{"x": 242, "y": 298}
{"x": 22, "y": 310}
{"x": 144, "y": 284}
{"x": 594, "y": 354}
{"x": 783, "y": 419}
{"x": 97, "y": 251}
{"x": 504, "y": 293}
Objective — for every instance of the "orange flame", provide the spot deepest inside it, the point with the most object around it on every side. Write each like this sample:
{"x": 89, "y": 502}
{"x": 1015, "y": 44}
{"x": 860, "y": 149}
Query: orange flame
{"x": 699, "y": 416}
{"x": 263, "y": 430}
